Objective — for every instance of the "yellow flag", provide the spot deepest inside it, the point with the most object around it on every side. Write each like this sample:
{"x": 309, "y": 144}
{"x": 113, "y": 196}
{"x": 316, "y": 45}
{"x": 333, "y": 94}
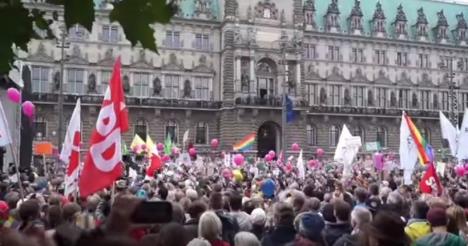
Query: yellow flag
{"x": 150, "y": 146}
{"x": 137, "y": 141}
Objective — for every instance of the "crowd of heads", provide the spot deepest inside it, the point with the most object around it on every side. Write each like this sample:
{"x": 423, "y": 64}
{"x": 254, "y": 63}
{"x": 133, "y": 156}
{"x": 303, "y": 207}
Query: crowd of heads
{"x": 264, "y": 207}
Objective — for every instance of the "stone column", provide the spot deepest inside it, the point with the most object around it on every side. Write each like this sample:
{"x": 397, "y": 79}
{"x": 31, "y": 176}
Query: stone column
{"x": 298, "y": 79}
{"x": 253, "y": 77}
{"x": 284, "y": 85}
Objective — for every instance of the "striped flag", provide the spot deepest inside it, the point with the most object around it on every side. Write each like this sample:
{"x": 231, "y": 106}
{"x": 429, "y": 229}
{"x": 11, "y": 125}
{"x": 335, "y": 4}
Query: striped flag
{"x": 421, "y": 144}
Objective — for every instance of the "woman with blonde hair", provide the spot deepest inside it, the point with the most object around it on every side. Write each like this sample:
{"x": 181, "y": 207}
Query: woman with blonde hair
{"x": 457, "y": 222}
{"x": 210, "y": 228}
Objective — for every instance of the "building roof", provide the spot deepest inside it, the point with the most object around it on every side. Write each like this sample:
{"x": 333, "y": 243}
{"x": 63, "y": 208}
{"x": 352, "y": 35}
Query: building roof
{"x": 390, "y": 7}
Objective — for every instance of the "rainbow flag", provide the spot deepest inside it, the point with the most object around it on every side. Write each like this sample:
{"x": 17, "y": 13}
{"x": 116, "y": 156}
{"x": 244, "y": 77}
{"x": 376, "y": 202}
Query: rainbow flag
{"x": 423, "y": 147}
{"x": 246, "y": 143}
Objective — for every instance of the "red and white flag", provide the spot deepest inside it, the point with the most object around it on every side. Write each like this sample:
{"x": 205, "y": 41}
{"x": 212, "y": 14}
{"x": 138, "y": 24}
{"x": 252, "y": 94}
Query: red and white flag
{"x": 103, "y": 163}
{"x": 430, "y": 182}
{"x": 155, "y": 162}
{"x": 70, "y": 154}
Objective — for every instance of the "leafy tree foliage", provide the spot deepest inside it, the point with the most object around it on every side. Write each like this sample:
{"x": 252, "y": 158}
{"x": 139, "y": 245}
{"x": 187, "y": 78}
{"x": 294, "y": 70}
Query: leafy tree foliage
{"x": 18, "y": 24}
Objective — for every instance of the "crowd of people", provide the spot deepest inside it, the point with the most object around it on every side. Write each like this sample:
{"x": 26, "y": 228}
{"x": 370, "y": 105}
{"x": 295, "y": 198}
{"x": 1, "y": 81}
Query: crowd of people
{"x": 261, "y": 204}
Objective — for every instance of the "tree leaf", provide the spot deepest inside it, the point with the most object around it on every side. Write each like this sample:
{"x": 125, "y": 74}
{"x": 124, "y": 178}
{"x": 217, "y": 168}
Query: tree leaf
{"x": 79, "y": 12}
{"x": 137, "y": 16}
{"x": 13, "y": 35}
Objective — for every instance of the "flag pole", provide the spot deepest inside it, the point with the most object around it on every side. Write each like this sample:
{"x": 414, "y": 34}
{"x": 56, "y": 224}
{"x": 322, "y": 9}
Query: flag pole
{"x": 18, "y": 176}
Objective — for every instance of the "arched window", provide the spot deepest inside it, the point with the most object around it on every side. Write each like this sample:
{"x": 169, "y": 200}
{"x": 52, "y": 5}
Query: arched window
{"x": 171, "y": 131}
{"x": 141, "y": 129}
{"x": 360, "y": 132}
{"x": 311, "y": 135}
{"x": 381, "y": 136}
{"x": 40, "y": 128}
{"x": 201, "y": 136}
{"x": 333, "y": 135}
{"x": 266, "y": 74}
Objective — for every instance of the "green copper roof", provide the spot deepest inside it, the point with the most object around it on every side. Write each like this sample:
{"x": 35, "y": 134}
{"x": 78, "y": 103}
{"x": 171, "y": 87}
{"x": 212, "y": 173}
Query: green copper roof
{"x": 410, "y": 7}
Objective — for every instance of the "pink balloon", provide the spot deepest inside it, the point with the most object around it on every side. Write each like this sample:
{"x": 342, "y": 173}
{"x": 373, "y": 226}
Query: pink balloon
{"x": 214, "y": 143}
{"x": 166, "y": 158}
{"x": 14, "y": 95}
{"x": 239, "y": 159}
{"x": 268, "y": 157}
{"x": 160, "y": 146}
{"x": 175, "y": 151}
{"x": 143, "y": 146}
{"x": 192, "y": 151}
{"x": 312, "y": 163}
{"x": 29, "y": 109}
{"x": 272, "y": 153}
{"x": 320, "y": 152}
{"x": 460, "y": 170}
{"x": 227, "y": 173}
{"x": 295, "y": 147}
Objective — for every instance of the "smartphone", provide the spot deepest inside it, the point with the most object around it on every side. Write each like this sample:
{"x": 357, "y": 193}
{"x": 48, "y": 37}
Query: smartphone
{"x": 152, "y": 212}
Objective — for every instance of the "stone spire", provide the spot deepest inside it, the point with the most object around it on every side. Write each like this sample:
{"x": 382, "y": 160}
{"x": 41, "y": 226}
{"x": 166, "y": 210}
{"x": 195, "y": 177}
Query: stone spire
{"x": 378, "y": 21}
{"x": 400, "y": 23}
{"x": 355, "y": 18}
{"x": 460, "y": 31}
{"x": 440, "y": 30}
{"x": 309, "y": 15}
{"x": 332, "y": 23}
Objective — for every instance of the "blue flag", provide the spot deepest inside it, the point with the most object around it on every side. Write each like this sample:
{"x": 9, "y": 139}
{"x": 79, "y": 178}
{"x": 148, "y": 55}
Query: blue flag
{"x": 290, "y": 115}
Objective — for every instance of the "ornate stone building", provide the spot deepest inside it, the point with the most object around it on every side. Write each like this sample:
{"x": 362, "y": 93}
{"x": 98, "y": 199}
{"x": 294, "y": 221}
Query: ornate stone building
{"x": 223, "y": 66}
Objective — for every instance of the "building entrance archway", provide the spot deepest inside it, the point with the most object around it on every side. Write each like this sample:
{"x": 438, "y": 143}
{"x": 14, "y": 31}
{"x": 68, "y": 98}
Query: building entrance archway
{"x": 268, "y": 138}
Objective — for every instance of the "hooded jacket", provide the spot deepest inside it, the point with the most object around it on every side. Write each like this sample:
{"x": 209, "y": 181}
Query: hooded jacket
{"x": 417, "y": 228}
{"x": 440, "y": 239}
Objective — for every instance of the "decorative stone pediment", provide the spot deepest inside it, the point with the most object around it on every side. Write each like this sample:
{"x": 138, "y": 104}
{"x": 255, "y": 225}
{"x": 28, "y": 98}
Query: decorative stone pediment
{"x": 355, "y": 19}
{"x": 41, "y": 55}
{"x": 425, "y": 81}
{"x": 108, "y": 59}
{"x": 440, "y": 30}
{"x": 202, "y": 66}
{"x": 359, "y": 77}
{"x": 311, "y": 74}
{"x": 421, "y": 25}
{"x": 172, "y": 64}
{"x": 332, "y": 22}
{"x": 405, "y": 80}
{"x": 266, "y": 10}
{"x": 378, "y": 22}
{"x": 76, "y": 57}
{"x": 400, "y": 23}
{"x": 335, "y": 75}
{"x": 460, "y": 32}
{"x": 142, "y": 62}
{"x": 382, "y": 78}
{"x": 203, "y": 9}
{"x": 309, "y": 15}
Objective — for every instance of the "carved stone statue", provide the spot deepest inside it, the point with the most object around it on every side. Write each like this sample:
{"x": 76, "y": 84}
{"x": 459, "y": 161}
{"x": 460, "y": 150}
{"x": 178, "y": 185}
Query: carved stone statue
{"x": 347, "y": 97}
{"x": 92, "y": 83}
{"x": 187, "y": 89}
{"x": 126, "y": 84}
{"x": 370, "y": 98}
{"x": 393, "y": 100}
{"x": 57, "y": 81}
{"x": 245, "y": 80}
{"x": 323, "y": 96}
{"x": 252, "y": 36}
{"x": 157, "y": 87}
{"x": 414, "y": 100}
{"x": 282, "y": 17}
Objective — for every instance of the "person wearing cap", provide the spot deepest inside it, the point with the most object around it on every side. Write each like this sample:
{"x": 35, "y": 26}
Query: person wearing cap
{"x": 439, "y": 236}
{"x": 309, "y": 227}
{"x": 258, "y": 219}
{"x": 418, "y": 226}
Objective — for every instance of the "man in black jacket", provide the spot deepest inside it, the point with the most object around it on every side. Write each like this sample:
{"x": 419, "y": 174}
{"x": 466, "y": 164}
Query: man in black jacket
{"x": 333, "y": 231}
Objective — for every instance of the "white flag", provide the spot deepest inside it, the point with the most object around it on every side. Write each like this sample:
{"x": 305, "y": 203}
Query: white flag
{"x": 347, "y": 149}
{"x": 462, "y": 150}
{"x": 185, "y": 138}
{"x": 449, "y": 132}
{"x": 300, "y": 166}
{"x": 70, "y": 154}
{"x": 5, "y": 137}
{"x": 408, "y": 151}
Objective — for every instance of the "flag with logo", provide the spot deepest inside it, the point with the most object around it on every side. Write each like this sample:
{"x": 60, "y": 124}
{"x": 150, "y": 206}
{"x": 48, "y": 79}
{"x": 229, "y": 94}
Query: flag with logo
{"x": 408, "y": 151}
{"x": 103, "y": 164}
{"x": 5, "y": 137}
{"x": 430, "y": 182}
{"x": 70, "y": 154}
{"x": 449, "y": 133}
